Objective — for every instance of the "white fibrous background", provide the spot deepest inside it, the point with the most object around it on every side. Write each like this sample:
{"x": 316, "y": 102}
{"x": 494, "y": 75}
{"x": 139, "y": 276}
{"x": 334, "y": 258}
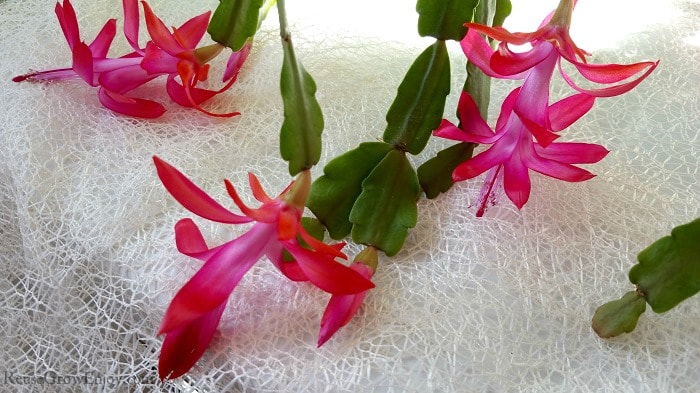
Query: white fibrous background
{"x": 495, "y": 304}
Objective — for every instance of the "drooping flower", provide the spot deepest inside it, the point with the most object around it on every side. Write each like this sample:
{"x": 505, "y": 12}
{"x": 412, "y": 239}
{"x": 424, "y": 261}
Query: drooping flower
{"x": 118, "y": 76}
{"x": 341, "y": 308}
{"x": 192, "y": 317}
{"x": 552, "y": 39}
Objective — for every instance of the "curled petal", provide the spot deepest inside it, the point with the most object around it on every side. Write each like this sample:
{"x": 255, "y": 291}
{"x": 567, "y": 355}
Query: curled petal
{"x": 559, "y": 170}
{"x": 264, "y": 214}
{"x": 506, "y": 62}
{"x": 565, "y": 112}
{"x": 543, "y": 135}
{"x": 501, "y": 34}
{"x": 479, "y": 53}
{"x": 189, "y": 240}
{"x": 216, "y": 279}
{"x": 507, "y": 109}
{"x": 612, "y": 90}
{"x": 136, "y": 107}
{"x": 324, "y": 272}
{"x": 448, "y": 130}
{"x": 192, "y": 197}
{"x": 193, "y": 95}
{"x": 183, "y": 346}
{"x": 290, "y": 269}
{"x": 611, "y": 73}
{"x": 258, "y": 192}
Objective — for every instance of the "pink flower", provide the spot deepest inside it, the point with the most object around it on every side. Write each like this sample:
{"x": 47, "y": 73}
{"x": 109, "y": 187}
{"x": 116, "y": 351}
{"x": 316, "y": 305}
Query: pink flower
{"x": 341, "y": 308}
{"x": 515, "y": 149}
{"x": 194, "y": 313}
{"x": 118, "y": 76}
{"x": 528, "y": 124}
{"x": 550, "y": 43}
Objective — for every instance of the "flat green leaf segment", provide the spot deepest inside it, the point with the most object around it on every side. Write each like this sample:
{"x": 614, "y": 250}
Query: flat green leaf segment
{"x": 503, "y": 9}
{"x": 668, "y": 271}
{"x": 234, "y": 21}
{"x": 333, "y": 194}
{"x": 300, "y": 138}
{"x": 619, "y": 316}
{"x": 420, "y": 101}
{"x": 435, "y": 175}
{"x": 444, "y": 19}
{"x": 386, "y": 208}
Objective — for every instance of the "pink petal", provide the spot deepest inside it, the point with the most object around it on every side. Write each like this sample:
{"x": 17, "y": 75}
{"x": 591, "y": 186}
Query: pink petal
{"x": 324, "y": 272}
{"x": 42, "y": 76}
{"x": 182, "y": 347}
{"x": 217, "y": 278}
{"x": 611, "y": 73}
{"x": 192, "y": 31}
{"x": 516, "y": 181}
{"x": 341, "y": 308}
{"x": 543, "y": 135}
{"x": 565, "y": 112}
{"x": 290, "y": 269}
{"x": 263, "y": 214}
{"x": 69, "y": 22}
{"x": 506, "y": 62}
{"x": 157, "y": 61}
{"x": 480, "y": 163}
{"x": 479, "y": 53}
{"x": 501, "y": 34}
{"x": 131, "y": 23}
{"x": 448, "y": 130}
{"x": 236, "y": 61}
{"x": 573, "y": 153}
{"x": 612, "y": 90}
{"x": 100, "y": 46}
{"x": 159, "y": 32}
{"x": 189, "y": 96}
{"x": 192, "y": 197}
{"x": 83, "y": 63}
{"x": 135, "y": 107}
{"x": 189, "y": 241}
{"x": 559, "y": 170}
{"x": 533, "y": 98}
{"x": 125, "y": 79}
{"x": 507, "y": 109}
{"x": 258, "y": 192}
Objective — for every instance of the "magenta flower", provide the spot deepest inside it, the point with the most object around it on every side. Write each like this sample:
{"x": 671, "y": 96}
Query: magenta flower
{"x": 515, "y": 149}
{"x": 550, "y": 43}
{"x": 341, "y": 308}
{"x": 192, "y": 317}
{"x": 116, "y": 77}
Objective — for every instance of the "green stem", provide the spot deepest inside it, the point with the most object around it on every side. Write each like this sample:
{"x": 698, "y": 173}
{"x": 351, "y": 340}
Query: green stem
{"x": 281, "y": 10}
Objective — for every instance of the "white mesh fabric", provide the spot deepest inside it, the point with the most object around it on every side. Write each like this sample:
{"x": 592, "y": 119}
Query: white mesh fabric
{"x": 497, "y": 304}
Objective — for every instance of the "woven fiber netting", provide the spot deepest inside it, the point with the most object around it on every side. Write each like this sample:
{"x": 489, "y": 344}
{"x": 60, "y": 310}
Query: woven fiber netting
{"x": 501, "y": 303}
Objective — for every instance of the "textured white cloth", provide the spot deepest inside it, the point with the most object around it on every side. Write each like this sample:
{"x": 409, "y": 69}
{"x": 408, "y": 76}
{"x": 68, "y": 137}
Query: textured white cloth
{"x": 497, "y": 304}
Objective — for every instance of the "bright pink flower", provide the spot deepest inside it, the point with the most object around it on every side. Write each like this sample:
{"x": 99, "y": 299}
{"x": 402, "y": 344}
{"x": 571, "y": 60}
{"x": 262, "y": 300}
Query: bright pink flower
{"x": 118, "y": 76}
{"x": 194, "y": 313}
{"x": 341, "y": 308}
{"x": 551, "y": 40}
{"x": 515, "y": 149}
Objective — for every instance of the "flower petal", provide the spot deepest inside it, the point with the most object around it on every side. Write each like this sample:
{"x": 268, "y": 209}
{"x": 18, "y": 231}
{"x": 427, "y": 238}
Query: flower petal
{"x": 290, "y": 269}
{"x": 341, "y": 308}
{"x": 479, "y": 53}
{"x": 565, "y": 112}
{"x": 261, "y": 215}
{"x": 516, "y": 181}
{"x": 182, "y": 347}
{"x": 192, "y": 31}
{"x": 189, "y": 240}
{"x": 327, "y": 274}
{"x": 159, "y": 33}
{"x": 480, "y": 163}
{"x": 124, "y": 79}
{"x": 501, "y": 34}
{"x": 69, "y": 22}
{"x": 543, "y": 135}
{"x": 83, "y": 63}
{"x": 157, "y": 61}
{"x": 611, "y": 73}
{"x": 506, "y": 62}
{"x": 192, "y": 197}
{"x": 131, "y": 23}
{"x": 573, "y": 153}
{"x": 559, "y": 170}
{"x": 100, "y": 46}
{"x": 217, "y": 278}
{"x": 612, "y": 90}
{"x": 258, "y": 191}
{"x": 136, "y": 107}
{"x": 236, "y": 61}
